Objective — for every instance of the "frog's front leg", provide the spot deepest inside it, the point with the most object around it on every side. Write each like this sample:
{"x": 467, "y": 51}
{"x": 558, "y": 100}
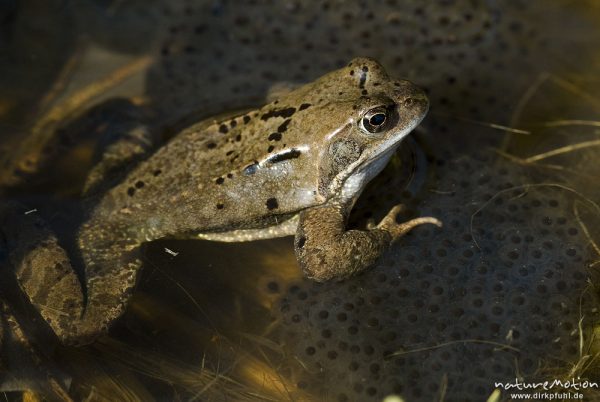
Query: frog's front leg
{"x": 326, "y": 250}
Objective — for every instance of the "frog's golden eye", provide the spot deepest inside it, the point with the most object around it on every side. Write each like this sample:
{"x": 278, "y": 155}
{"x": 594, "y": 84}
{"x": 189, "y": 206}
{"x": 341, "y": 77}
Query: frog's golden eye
{"x": 374, "y": 121}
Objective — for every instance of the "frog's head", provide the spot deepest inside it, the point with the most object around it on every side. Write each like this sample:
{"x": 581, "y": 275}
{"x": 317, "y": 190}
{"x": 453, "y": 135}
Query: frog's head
{"x": 375, "y": 113}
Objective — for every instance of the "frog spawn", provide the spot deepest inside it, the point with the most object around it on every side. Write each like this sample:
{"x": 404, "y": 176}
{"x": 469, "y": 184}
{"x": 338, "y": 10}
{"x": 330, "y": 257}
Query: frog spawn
{"x": 245, "y": 68}
{"x": 459, "y": 47}
{"x": 479, "y": 304}
{"x": 477, "y": 59}
{"x": 471, "y": 73}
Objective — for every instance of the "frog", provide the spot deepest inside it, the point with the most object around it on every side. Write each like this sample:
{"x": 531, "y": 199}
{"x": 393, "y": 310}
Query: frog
{"x": 292, "y": 167}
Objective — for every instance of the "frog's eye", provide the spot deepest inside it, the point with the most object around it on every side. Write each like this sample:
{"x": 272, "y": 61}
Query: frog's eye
{"x": 375, "y": 120}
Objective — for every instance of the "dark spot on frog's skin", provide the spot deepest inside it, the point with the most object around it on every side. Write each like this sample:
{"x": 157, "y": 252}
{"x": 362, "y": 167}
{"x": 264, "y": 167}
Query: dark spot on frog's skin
{"x": 220, "y": 180}
{"x": 220, "y": 206}
{"x": 397, "y": 84}
{"x": 271, "y": 148}
{"x": 246, "y": 119}
{"x": 211, "y": 145}
{"x": 275, "y": 137}
{"x": 351, "y": 72}
{"x": 301, "y": 242}
{"x": 223, "y": 129}
{"x": 283, "y": 126}
{"x": 238, "y": 137}
{"x": 130, "y": 191}
{"x": 363, "y": 77}
{"x": 139, "y": 184}
{"x": 365, "y": 69}
{"x": 365, "y": 92}
{"x": 304, "y": 106}
{"x": 251, "y": 169}
{"x": 272, "y": 204}
{"x": 376, "y": 84}
{"x": 229, "y": 152}
{"x": 233, "y": 123}
{"x": 157, "y": 172}
{"x": 283, "y": 156}
{"x": 287, "y": 112}
{"x": 229, "y": 176}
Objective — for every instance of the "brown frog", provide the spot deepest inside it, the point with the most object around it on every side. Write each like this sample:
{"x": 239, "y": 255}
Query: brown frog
{"x": 294, "y": 166}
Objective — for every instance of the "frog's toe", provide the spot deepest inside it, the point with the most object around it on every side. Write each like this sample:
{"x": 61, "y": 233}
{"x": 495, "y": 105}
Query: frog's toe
{"x": 371, "y": 224}
{"x": 399, "y": 230}
{"x": 390, "y": 219}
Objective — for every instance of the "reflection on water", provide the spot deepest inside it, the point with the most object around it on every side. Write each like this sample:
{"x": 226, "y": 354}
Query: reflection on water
{"x": 506, "y": 158}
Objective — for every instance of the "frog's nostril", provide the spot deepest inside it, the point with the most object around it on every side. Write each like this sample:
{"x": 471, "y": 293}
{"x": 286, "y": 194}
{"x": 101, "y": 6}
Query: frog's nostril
{"x": 415, "y": 100}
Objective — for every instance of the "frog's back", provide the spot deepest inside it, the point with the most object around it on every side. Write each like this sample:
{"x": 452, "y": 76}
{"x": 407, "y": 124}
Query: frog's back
{"x": 213, "y": 176}
{"x": 257, "y": 169}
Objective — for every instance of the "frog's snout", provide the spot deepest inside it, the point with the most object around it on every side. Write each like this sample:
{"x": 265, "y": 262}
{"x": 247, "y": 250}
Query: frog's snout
{"x": 410, "y": 96}
{"x": 415, "y": 104}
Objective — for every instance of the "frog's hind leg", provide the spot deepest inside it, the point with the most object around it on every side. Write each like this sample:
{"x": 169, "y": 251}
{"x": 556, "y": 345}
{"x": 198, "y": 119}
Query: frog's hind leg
{"x": 76, "y": 314}
{"x": 42, "y": 269}
{"x": 124, "y": 139}
{"x": 112, "y": 262}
